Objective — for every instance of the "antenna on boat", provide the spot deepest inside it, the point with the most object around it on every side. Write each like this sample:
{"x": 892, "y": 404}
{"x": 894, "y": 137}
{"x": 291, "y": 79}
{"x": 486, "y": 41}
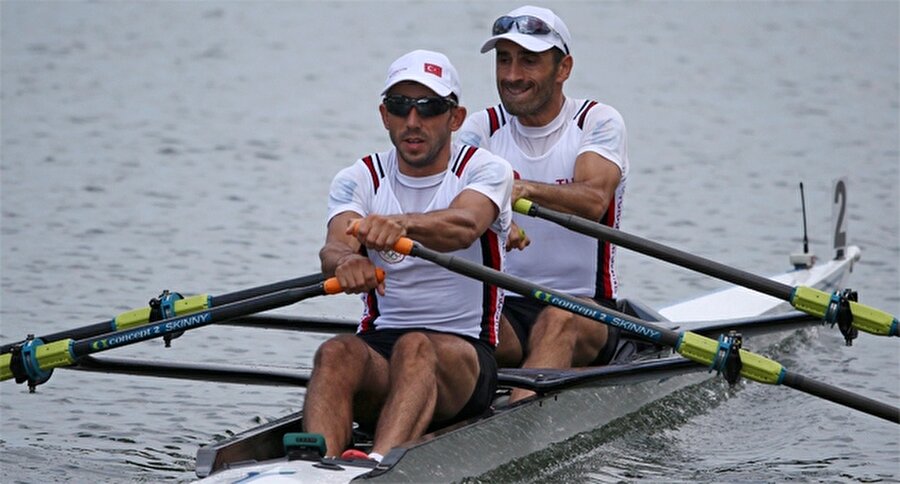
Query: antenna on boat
{"x": 804, "y": 260}
{"x": 803, "y": 208}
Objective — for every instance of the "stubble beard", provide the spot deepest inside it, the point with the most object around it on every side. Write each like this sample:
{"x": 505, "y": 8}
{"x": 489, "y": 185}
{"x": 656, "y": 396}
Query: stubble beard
{"x": 421, "y": 160}
{"x": 540, "y": 96}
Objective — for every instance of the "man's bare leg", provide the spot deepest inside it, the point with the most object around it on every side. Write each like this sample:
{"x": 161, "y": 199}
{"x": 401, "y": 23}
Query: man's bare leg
{"x": 560, "y": 339}
{"x": 432, "y": 377}
{"x": 343, "y": 367}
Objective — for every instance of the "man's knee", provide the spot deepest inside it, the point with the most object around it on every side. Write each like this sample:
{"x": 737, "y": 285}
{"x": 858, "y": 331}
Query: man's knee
{"x": 555, "y": 323}
{"x": 509, "y": 348}
{"x": 338, "y": 350}
{"x": 413, "y": 346}
{"x": 562, "y": 326}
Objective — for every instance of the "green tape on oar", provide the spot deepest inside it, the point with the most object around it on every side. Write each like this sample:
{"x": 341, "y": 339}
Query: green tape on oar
{"x": 865, "y": 318}
{"x": 523, "y": 206}
{"x": 141, "y": 316}
{"x": 703, "y": 350}
{"x": 6, "y": 367}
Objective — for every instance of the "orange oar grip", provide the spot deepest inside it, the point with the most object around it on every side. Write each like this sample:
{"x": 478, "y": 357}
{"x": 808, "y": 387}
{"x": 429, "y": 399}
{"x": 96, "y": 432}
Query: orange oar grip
{"x": 404, "y": 245}
{"x": 332, "y": 286}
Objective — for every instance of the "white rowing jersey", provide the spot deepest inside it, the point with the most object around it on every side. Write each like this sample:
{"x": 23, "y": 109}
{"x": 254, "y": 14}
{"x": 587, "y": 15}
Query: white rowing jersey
{"x": 420, "y": 293}
{"x": 557, "y": 257}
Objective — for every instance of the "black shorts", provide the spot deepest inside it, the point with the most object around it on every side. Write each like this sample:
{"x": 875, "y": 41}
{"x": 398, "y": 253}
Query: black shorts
{"x": 522, "y": 312}
{"x": 383, "y": 341}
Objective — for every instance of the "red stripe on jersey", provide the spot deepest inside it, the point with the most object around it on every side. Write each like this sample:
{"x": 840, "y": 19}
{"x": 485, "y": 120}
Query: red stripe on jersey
{"x": 370, "y": 164}
{"x": 604, "y": 254}
{"x": 470, "y": 151}
{"x": 491, "y": 257}
{"x": 494, "y": 120}
{"x": 584, "y": 114}
{"x": 367, "y": 323}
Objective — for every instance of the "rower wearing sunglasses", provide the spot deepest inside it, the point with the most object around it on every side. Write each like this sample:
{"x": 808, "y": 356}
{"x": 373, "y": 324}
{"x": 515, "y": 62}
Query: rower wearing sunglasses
{"x": 569, "y": 155}
{"x": 424, "y": 350}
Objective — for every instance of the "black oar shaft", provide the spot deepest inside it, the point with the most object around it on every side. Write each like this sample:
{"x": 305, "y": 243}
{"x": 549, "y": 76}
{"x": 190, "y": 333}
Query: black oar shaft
{"x": 266, "y": 289}
{"x": 841, "y": 396}
{"x": 668, "y": 254}
{"x": 193, "y": 371}
{"x": 295, "y": 323}
{"x": 642, "y": 329}
{"x": 177, "y": 324}
{"x": 214, "y": 301}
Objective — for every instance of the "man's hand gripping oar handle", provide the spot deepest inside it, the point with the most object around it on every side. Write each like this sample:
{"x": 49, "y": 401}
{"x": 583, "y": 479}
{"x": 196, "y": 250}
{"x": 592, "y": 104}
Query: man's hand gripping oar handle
{"x": 809, "y": 300}
{"x": 34, "y": 361}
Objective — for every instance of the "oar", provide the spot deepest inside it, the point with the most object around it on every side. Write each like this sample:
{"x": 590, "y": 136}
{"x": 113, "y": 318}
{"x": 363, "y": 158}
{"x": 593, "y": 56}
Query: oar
{"x": 193, "y": 371}
{"x": 190, "y": 304}
{"x": 693, "y": 346}
{"x": 306, "y": 324}
{"x": 809, "y": 300}
{"x": 34, "y": 362}
{"x": 536, "y": 379}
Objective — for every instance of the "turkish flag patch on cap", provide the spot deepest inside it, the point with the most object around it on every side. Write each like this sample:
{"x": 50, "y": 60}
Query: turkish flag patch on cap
{"x": 433, "y": 69}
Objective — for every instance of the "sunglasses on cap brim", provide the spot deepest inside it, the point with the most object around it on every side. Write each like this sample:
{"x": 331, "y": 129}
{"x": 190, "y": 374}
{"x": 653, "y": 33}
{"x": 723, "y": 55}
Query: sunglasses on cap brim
{"x": 526, "y": 24}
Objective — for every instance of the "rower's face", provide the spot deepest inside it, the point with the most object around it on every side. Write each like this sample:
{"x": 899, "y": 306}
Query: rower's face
{"x": 423, "y": 143}
{"x": 526, "y": 80}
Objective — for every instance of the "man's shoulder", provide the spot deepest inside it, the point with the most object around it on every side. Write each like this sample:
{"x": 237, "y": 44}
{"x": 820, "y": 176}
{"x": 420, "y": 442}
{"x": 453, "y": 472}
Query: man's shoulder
{"x": 482, "y": 124}
{"x": 589, "y": 111}
{"x": 478, "y": 154}
{"x": 373, "y": 167}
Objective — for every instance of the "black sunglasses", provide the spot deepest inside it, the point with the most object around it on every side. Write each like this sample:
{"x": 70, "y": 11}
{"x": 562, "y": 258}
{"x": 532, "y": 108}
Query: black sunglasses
{"x": 525, "y": 24}
{"x": 427, "y": 107}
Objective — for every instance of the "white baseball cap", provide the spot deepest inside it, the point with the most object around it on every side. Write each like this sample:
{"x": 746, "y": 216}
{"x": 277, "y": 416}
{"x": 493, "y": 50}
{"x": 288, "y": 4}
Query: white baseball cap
{"x": 524, "y": 26}
{"x": 431, "y": 69}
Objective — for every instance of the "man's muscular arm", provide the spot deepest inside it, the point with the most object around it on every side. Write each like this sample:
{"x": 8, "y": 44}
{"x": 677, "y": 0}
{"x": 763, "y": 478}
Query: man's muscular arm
{"x": 589, "y": 194}
{"x": 453, "y": 228}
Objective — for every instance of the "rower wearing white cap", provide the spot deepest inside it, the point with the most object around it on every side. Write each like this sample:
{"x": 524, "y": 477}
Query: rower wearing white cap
{"x": 424, "y": 350}
{"x": 569, "y": 155}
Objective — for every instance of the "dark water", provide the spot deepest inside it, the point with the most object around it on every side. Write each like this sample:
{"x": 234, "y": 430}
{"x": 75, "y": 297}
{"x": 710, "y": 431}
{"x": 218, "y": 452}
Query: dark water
{"x": 189, "y": 146}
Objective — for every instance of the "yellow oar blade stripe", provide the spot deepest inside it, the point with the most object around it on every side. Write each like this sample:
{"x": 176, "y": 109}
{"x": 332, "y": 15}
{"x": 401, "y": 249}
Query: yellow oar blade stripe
{"x": 871, "y": 320}
{"x": 6, "y": 367}
{"x": 865, "y": 318}
{"x": 55, "y": 354}
{"x": 141, "y": 316}
{"x": 754, "y": 367}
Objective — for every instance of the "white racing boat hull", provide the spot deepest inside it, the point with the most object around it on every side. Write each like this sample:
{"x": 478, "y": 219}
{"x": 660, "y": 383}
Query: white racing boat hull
{"x": 595, "y": 397}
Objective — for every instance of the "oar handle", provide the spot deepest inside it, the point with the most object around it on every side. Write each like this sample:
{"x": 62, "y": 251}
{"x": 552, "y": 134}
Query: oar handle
{"x": 332, "y": 286}
{"x": 404, "y": 245}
